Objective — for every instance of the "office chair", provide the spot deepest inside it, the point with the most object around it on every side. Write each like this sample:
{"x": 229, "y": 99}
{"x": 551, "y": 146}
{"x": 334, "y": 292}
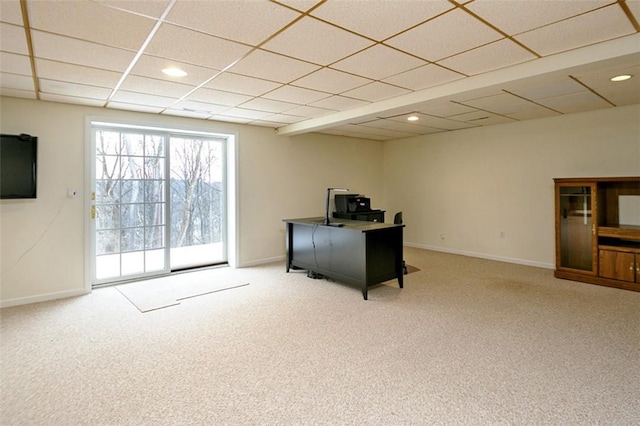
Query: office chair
{"x": 397, "y": 219}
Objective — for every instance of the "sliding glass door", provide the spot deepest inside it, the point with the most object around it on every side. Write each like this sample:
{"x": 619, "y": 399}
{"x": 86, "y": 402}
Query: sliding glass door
{"x": 157, "y": 202}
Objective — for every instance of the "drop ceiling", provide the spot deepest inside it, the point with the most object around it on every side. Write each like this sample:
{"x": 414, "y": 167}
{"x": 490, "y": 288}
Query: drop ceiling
{"x": 357, "y": 68}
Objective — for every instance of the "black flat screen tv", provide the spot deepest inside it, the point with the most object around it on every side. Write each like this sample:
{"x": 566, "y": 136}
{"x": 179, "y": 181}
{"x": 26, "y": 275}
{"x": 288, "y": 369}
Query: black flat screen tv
{"x": 18, "y": 166}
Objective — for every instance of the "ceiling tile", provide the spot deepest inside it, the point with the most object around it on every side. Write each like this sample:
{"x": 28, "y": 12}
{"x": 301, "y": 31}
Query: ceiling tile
{"x": 245, "y": 21}
{"x": 574, "y": 102}
{"x": 91, "y": 21}
{"x": 185, "y": 113}
{"x": 135, "y": 107}
{"x": 331, "y": 81}
{"x": 310, "y": 112}
{"x": 296, "y": 95}
{"x": 50, "y": 97}
{"x": 269, "y": 105}
{"x": 274, "y": 67}
{"x": 248, "y": 114}
{"x": 241, "y": 84}
{"x": 493, "y": 56}
{"x": 218, "y": 97}
{"x": 152, "y": 66}
{"x": 515, "y": 17}
{"x": 134, "y": 83}
{"x": 437, "y": 122}
{"x": 503, "y": 103}
{"x": 16, "y": 82}
{"x": 546, "y": 89}
{"x": 316, "y": 42}
{"x": 16, "y": 93}
{"x": 380, "y": 19}
{"x": 423, "y": 77}
{"x": 13, "y": 39}
{"x": 301, "y": 5}
{"x": 339, "y": 103}
{"x": 533, "y": 113}
{"x": 188, "y": 46}
{"x": 619, "y": 93}
{"x": 66, "y": 49}
{"x": 593, "y": 27}
{"x": 398, "y": 126}
{"x": 285, "y": 118}
{"x": 445, "y": 109}
{"x": 367, "y": 130}
{"x": 74, "y": 90}
{"x": 447, "y": 35}
{"x": 133, "y": 98}
{"x": 376, "y": 91}
{"x": 153, "y": 9}
{"x": 77, "y": 74}
{"x": 378, "y": 62}
{"x": 11, "y": 12}
{"x": 15, "y": 64}
{"x": 201, "y": 108}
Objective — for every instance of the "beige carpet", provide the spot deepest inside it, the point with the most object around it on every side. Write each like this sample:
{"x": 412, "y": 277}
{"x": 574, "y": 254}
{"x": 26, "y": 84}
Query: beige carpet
{"x": 465, "y": 342}
{"x": 164, "y": 292}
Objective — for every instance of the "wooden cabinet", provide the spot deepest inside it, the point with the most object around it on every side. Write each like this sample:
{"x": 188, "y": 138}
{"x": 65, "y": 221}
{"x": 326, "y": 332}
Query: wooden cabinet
{"x": 598, "y": 230}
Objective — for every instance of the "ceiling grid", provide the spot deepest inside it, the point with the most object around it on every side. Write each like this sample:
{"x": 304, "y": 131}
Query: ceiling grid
{"x": 341, "y": 67}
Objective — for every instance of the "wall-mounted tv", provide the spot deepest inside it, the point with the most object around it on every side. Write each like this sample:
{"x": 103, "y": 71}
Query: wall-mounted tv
{"x": 18, "y": 166}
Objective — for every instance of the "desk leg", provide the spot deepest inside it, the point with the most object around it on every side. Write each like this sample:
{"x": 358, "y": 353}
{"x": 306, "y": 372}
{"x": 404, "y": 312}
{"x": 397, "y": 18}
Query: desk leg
{"x": 289, "y": 245}
{"x": 365, "y": 292}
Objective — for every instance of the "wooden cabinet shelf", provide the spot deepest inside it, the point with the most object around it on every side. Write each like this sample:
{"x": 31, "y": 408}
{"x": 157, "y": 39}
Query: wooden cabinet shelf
{"x": 598, "y": 231}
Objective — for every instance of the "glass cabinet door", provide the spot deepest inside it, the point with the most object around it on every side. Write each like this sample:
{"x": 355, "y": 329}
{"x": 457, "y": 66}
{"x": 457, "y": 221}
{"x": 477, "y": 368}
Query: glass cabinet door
{"x": 577, "y": 227}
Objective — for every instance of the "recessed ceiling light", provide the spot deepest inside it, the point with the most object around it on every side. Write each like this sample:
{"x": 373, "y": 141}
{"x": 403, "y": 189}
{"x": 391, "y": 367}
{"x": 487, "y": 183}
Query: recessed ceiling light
{"x": 413, "y": 118}
{"x": 621, "y": 77}
{"x": 174, "y": 72}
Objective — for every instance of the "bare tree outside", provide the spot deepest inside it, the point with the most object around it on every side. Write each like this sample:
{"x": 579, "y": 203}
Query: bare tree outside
{"x": 131, "y": 205}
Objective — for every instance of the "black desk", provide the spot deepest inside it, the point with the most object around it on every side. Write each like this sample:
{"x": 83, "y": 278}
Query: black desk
{"x": 362, "y": 253}
{"x": 370, "y": 215}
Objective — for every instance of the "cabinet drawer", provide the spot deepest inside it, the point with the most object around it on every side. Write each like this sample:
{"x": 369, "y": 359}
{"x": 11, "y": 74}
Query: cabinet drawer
{"x": 617, "y": 265}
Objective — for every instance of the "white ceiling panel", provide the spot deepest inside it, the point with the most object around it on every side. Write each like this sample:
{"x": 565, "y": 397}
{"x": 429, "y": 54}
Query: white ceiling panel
{"x": 388, "y": 18}
{"x": 593, "y": 27}
{"x": 10, "y": 12}
{"x": 73, "y": 51}
{"x": 296, "y": 95}
{"x": 575, "y": 102}
{"x": 74, "y": 90}
{"x": 196, "y": 48}
{"x": 75, "y": 73}
{"x": 152, "y": 66}
{"x": 331, "y": 81}
{"x": 12, "y": 39}
{"x": 423, "y": 77}
{"x": 515, "y": 17}
{"x": 316, "y": 42}
{"x": 16, "y": 82}
{"x": 493, "y": 56}
{"x": 249, "y": 22}
{"x": 447, "y": 35}
{"x": 91, "y": 21}
{"x": 375, "y": 91}
{"x": 303, "y": 66}
{"x": 15, "y": 64}
{"x": 273, "y": 67}
{"x": 378, "y": 62}
{"x": 241, "y": 84}
{"x": 218, "y": 97}
{"x": 134, "y": 83}
{"x": 339, "y": 103}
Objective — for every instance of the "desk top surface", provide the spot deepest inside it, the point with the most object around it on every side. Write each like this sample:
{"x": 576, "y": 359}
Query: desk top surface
{"x": 355, "y": 225}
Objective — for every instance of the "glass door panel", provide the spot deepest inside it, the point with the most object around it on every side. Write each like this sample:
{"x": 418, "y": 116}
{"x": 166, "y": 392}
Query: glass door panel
{"x": 576, "y": 227}
{"x": 197, "y": 202}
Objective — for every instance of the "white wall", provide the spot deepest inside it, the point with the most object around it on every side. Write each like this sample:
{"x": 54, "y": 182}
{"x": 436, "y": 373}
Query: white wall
{"x": 42, "y": 250}
{"x": 460, "y": 190}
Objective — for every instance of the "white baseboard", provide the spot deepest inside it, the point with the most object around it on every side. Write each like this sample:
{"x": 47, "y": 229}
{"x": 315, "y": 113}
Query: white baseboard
{"x": 262, "y": 261}
{"x": 42, "y": 298}
{"x": 483, "y": 256}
